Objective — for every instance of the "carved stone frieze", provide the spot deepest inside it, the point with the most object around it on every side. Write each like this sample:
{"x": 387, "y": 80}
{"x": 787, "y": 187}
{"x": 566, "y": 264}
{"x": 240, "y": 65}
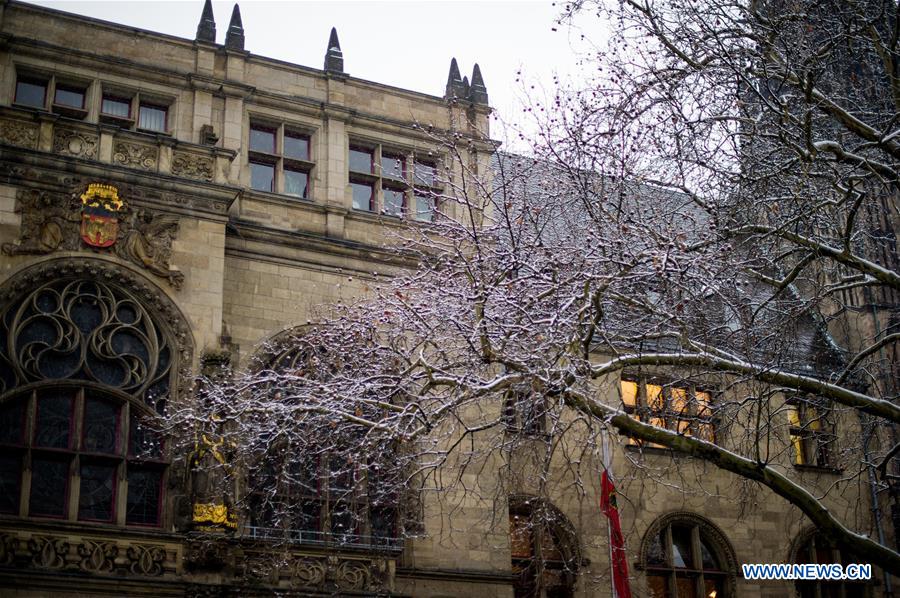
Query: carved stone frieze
{"x": 16, "y": 132}
{"x": 135, "y": 155}
{"x": 48, "y": 552}
{"x": 193, "y": 166}
{"x": 308, "y": 572}
{"x": 324, "y": 573}
{"x": 8, "y": 547}
{"x": 51, "y": 222}
{"x": 146, "y": 559}
{"x": 69, "y": 142}
{"x": 97, "y": 556}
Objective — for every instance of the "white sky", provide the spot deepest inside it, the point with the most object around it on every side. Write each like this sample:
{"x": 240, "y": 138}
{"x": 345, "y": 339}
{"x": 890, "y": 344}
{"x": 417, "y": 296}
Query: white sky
{"x": 406, "y": 44}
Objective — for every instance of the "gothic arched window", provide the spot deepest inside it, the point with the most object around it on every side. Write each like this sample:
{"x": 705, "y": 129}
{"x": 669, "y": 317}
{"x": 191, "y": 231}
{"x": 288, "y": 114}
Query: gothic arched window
{"x": 544, "y": 550}
{"x": 322, "y": 479}
{"x": 813, "y": 547}
{"x": 686, "y": 556}
{"x": 85, "y": 374}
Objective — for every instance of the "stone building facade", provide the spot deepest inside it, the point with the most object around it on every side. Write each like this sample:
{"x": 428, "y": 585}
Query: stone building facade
{"x": 168, "y": 205}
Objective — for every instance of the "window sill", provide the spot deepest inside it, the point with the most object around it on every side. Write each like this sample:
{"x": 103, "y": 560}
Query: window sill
{"x": 154, "y": 132}
{"x": 69, "y": 111}
{"x": 119, "y": 121}
{"x": 817, "y": 469}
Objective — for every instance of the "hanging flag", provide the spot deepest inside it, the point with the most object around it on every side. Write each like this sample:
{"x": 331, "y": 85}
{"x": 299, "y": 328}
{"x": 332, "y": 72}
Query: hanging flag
{"x": 619, "y": 560}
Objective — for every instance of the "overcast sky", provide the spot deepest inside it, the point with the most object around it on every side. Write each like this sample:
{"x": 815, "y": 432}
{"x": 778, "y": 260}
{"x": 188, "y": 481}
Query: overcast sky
{"x": 407, "y": 44}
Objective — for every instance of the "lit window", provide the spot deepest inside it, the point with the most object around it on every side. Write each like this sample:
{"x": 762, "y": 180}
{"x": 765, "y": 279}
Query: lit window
{"x": 680, "y": 408}
{"x": 152, "y": 117}
{"x": 72, "y": 97}
{"x": 811, "y": 432}
{"x": 31, "y": 92}
{"x": 683, "y": 560}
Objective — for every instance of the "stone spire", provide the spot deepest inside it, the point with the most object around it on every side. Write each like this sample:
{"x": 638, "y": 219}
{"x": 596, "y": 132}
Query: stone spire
{"x": 234, "y": 38}
{"x": 206, "y": 30}
{"x": 454, "y": 82}
{"x": 478, "y": 92}
{"x": 334, "y": 58}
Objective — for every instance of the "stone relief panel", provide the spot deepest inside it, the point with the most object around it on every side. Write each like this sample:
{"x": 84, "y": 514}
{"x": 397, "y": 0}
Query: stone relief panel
{"x": 324, "y": 573}
{"x": 22, "y": 134}
{"x": 193, "y": 166}
{"x": 54, "y": 222}
{"x": 69, "y": 142}
{"x": 135, "y": 155}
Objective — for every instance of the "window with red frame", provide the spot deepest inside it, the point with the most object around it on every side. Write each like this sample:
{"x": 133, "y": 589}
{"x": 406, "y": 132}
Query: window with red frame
{"x": 79, "y": 429}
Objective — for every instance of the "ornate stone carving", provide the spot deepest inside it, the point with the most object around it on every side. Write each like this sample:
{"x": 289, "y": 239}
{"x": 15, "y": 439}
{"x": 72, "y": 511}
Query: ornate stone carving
{"x": 146, "y": 239}
{"x": 48, "y": 552}
{"x": 208, "y": 135}
{"x": 135, "y": 155}
{"x": 352, "y": 575}
{"x": 51, "y": 222}
{"x": 308, "y": 572}
{"x": 22, "y": 134}
{"x": 146, "y": 559}
{"x": 75, "y": 143}
{"x": 8, "y": 547}
{"x": 193, "y": 166}
{"x": 97, "y": 556}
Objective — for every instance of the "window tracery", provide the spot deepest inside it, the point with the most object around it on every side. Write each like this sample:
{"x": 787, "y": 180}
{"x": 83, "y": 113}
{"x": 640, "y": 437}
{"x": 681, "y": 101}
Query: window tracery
{"x": 86, "y": 371}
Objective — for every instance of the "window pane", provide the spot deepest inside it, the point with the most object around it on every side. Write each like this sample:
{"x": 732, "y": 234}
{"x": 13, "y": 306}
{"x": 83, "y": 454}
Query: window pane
{"x": 307, "y": 516}
{"x": 101, "y": 426}
{"x": 658, "y": 586}
{"x": 97, "y": 491}
{"x": 425, "y": 173}
{"x": 679, "y": 400}
{"x": 296, "y": 146}
{"x": 342, "y": 520}
{"x": 49, "y": 487}
{"x": 681, "y": 547}
{"x": 152, "y": 118}
{"x": 116, "y": 107}
{"x": 362, "y": 196}
{"x": 10, "y": 475}
{"x": 520, "y": 536}
{"x": 656, "y": 555}
{"x": 143, "y": 442}
{"x": 262, "y": 177}
{"x": 295, "y": 183}
{"x": 686, "y": 587}
{"x": 262, "y": 140}
{"x": 629, "y": 393}
{"x": 710, "y": 562}
{"x": 713, "y": 588}
{"x": 393, "y": 166}
{"x": 393, "y": 202}
{"x": 360, "y": 160}
{"x": 384, "y": 521}
{"x": 53, "y": 426}
{"x": 424, "y": 208}
{"x": 12, "y": 421}
{"x": 655, "y": 400}
{"x": 30, "y": 93}
{"x": 144, "y": 489}
{"x": 69, "y": 96}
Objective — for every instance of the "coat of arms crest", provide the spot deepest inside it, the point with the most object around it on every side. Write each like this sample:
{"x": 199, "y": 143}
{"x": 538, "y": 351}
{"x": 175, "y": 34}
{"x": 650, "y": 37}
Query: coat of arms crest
{"x": 100, "y": 207}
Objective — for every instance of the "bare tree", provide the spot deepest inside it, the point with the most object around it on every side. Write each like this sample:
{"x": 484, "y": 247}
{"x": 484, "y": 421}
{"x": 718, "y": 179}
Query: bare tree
{"x": 719, "y": 205}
